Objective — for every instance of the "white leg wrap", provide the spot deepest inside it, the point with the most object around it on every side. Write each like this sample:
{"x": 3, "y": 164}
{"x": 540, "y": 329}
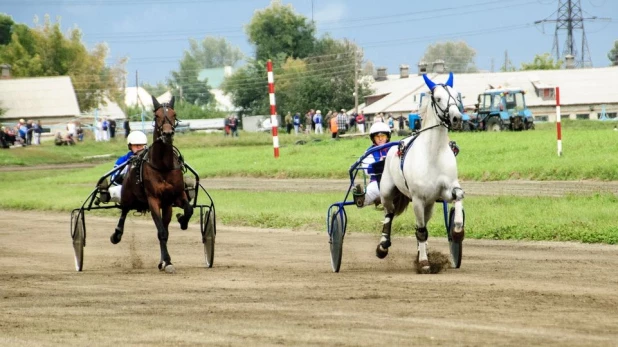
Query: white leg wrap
{"x": 458, "y": 216}
{"x": 422, "y": 251}
{"x": 115, "y": 193}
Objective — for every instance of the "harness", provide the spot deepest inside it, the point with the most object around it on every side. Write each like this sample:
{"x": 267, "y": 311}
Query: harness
{"x": 445, "y": 121}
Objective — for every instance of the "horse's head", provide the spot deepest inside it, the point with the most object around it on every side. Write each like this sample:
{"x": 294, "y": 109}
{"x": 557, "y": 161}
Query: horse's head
{"x": 165, "y": 121}
{"x": 444, "y": 100}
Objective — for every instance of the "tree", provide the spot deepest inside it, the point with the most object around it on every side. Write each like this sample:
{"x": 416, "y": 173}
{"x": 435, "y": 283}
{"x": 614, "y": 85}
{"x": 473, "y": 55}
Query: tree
{"x": 6, "y": 23}
{"x": 156, "y": 90}
{"x": 458, "y": 57}
{"x": 45, "y": 51}
{"x": 248, "y": 88}
{"x": 277, "y": 29}
{"x": 613, "y": 54}
{"x": 542, "y": 62}
{"x": 210, "y": 53}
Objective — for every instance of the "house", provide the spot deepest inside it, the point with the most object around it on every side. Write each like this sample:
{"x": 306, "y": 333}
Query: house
{"x": 584, "y": 93}
{"x": 48, "y": 99}
{"x": 215, "y": 77}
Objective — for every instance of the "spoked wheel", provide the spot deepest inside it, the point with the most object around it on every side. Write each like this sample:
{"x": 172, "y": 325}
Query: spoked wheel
{"x": 209, "y": 232}
{"x": 78, "y": 234}
{"x": 337, "y": 231}
{"x": 456, "y": 247}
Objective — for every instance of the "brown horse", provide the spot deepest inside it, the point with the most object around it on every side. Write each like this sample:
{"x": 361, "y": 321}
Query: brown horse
{"x": 155, "y": 182}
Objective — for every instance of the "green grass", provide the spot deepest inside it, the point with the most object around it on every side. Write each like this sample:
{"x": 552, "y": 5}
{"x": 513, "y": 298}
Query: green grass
{"x": 588, "y": 154}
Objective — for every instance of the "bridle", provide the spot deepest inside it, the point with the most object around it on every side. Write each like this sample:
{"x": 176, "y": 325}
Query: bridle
{"x": 442, "y": 113}
{"x": 166, "y": 120}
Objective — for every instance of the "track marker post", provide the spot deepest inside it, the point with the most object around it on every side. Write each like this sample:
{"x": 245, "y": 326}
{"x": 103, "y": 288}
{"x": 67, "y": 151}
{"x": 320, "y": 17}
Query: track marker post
{"x": 273, "y": 107}
{"x": 558, "y": 123}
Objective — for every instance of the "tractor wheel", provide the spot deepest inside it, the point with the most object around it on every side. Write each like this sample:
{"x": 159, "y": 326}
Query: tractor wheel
{"x": 494, "y": 124}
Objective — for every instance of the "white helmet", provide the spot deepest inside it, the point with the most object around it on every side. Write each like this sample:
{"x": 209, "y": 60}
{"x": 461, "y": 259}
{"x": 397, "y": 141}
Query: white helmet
{"x": 379, "y": 128}
{"x": 137, "y": 138}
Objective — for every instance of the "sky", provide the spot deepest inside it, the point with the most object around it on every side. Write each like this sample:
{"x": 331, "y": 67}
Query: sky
{"x": 153, "y": 34}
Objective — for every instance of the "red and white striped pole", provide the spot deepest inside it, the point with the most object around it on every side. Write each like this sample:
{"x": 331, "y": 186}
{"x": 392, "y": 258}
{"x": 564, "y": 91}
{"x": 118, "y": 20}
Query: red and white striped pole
{"x": 273, "y": 107}
{"x": 558, "y": 124}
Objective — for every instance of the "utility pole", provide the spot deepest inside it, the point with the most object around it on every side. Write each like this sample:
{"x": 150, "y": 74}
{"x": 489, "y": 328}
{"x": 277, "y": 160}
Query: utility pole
{"x": 355, "y": 81}
{"x": 570, "y": 19}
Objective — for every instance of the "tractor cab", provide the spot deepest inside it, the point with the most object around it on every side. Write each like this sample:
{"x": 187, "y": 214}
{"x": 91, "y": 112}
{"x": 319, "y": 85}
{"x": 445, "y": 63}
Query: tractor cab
{"x": 504, "y": 109}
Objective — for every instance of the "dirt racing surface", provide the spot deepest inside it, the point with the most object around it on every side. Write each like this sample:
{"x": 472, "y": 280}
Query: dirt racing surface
{"x": 276, "y": 287}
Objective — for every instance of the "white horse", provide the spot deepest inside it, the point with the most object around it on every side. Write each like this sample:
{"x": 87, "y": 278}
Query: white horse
{"x": 424, "y": 171}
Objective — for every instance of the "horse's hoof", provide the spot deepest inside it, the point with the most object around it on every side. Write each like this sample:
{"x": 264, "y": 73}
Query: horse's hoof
{"x": 458, "y": 234}
{"x": 184, "y": 222}
{"x": 424, "y": 267}
{"x": 381, "y": 252}
{"x": 169, "y": 268}
{"x": 115, "y": 238}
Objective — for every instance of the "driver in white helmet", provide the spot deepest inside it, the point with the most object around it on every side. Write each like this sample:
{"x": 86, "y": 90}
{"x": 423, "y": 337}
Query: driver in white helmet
{"x": 379, "y": 133}
{"x": 136, "y": 141}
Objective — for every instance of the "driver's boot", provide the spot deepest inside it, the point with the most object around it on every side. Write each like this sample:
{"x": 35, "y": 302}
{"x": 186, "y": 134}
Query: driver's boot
{"x": 359, "y": 196}
{"x": 190, "y": 187}
{"x": 104, "y": 195}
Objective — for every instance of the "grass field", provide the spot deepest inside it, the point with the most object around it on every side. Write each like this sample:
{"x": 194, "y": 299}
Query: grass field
{"x": 588, "y": 154}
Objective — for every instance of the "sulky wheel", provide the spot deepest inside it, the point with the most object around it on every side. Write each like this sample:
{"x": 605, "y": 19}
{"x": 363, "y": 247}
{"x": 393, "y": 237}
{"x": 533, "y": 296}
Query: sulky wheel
{"x": 209, "y": 232}
{"x": 455, "y": 247}
{"x": 78, "y": 234}
{"x": 337, "y": 231}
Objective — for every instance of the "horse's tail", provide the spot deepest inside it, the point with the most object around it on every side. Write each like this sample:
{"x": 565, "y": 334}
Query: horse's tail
{"x": 401, "y": 202}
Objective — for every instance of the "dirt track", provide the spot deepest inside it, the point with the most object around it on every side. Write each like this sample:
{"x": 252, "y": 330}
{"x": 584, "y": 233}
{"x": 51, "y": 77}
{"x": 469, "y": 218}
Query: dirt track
{"x": 275, "y": 287}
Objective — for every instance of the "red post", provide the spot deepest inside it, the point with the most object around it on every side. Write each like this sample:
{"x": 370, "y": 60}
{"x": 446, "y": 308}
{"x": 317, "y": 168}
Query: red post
{"x": 558, "y": 123}
{"x": 273, "y": 107}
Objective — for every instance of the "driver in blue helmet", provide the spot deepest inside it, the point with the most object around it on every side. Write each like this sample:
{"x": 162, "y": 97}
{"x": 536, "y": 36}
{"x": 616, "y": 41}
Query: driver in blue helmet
{"x": 379, "y": 133}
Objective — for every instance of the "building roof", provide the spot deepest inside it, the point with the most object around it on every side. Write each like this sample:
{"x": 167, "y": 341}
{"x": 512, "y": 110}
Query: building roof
{"x": 38, "y": 97}
{"x": 577, "y": 86}
{"x": 215, "y": 76}
{"x": 137, "y": 96}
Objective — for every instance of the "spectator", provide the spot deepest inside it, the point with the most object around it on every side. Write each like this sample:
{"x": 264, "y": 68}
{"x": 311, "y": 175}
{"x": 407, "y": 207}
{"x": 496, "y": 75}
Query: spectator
{"x": 308, "y": 122}
{"x": 66, "y": 140}
{"x": 342, "y": 122}
{"x": 288, "y": 122}
{"x": 334, "y": 128}
{"x": 234, "y": 126}
{"x": 105, "y": 129}
{"x": 37, "y": 130}
{"x": 126, "y": 125}
{"x": 391, "y": 122}
{"x": 80, "y": 131}
{"x": 317, "y": 119}
{"x": 296, "y": 121}
{"x": 360, "y": 122}
{"x": 379, "y": 118}
{"x": 112, "y": 128}
{"x": 226, "y": 124}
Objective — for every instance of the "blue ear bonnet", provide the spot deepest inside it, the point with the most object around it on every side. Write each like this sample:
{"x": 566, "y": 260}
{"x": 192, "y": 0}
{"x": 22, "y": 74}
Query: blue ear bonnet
{"x": 431, "y": 85}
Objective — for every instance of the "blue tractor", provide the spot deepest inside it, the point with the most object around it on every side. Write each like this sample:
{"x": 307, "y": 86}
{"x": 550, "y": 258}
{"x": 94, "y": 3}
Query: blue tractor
{"x": 503, "y": 109}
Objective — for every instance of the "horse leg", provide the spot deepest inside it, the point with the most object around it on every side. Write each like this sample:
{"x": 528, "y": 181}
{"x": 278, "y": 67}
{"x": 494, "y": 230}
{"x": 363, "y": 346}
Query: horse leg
{"x": 117, "y": 235}
{"x": 458, "y": 230}
{"x": 162, "y": 220}
{"x": 183, "y": 219}
{"x": 385, "y": 240}
{"x": 422, "y": 212}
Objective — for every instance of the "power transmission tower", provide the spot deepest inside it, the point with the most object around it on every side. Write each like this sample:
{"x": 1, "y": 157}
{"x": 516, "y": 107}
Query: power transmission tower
{"x": 570, "y": 19}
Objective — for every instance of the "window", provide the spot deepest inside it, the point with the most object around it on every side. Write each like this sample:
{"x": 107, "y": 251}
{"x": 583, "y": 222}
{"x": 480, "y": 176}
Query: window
{"x": 611, "y": 115}
{"x": 546, "y": 93}
{"x": 582, "y": 116}
{"x": 541, "y": 118}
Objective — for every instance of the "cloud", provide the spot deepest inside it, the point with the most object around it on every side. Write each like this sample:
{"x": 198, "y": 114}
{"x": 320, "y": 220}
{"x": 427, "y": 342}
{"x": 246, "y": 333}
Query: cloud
{"x": 333, "y": 12}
